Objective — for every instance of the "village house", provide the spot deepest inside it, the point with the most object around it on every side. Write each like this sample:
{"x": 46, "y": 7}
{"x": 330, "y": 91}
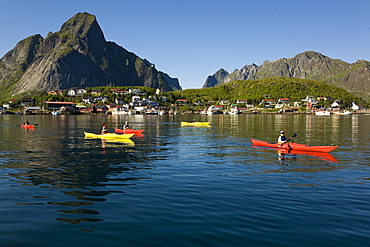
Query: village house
{"x": 241, "y": 101}
{"x": 182, "y": 101}
{"x": 356, "y": 107}
{"x": 96, "y": 91}
{"x": 56, "y": 105}
{"x": 71, "y": 92}
{"x": 336, "y": 104}
{"x": 101, "y": 98}
{"x": 269, "y": 103}
{"x": 282, "y": 102}
{"x": 87, "y": 101}
{"x": 135, "y": 98}
{"x": 118, "y": 91}
{"x": 134, "y": 90}
{"x": 310, "y": 101}
{"x": 26, "y": 101}
{"x": 119, "y": 101}
{"x": 6, "y": 106}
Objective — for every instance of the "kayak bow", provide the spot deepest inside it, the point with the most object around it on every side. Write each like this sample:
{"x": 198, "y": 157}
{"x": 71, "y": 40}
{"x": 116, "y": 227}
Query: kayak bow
{"x": 108, "y": 135}
{"x": 294, "y": 146}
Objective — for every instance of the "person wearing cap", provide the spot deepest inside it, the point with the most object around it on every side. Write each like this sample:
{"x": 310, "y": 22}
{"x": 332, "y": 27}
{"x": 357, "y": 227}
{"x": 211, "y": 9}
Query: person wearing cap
{"x": 282, "y": 139}
{"x": 104, "y": 129}
{"x": 126, "y": 126}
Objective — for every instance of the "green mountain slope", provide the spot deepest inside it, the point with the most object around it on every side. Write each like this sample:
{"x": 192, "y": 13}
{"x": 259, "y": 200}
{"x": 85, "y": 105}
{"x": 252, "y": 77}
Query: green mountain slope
{"x": 353, "y": 77}
{"x": 278, "y": 87}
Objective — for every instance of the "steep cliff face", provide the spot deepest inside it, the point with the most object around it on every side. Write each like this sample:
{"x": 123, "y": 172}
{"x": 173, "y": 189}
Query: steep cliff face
{"x": 354, "y": 77}
{"x": 76, "y": 56}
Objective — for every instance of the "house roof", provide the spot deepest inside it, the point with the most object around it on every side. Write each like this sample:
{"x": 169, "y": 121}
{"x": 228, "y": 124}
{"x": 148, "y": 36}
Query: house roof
{"x": 59, "y": 102}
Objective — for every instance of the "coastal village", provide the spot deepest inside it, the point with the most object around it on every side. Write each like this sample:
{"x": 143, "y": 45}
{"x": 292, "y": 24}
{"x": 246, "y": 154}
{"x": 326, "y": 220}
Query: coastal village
{"x": 141, "y": 102}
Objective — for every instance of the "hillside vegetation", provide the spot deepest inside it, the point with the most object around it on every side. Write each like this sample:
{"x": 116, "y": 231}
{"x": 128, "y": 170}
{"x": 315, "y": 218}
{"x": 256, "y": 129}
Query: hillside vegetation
{"x": 253, "y": 91}
{"x": 353, "y": 77}
{"x": 274, "y": 88}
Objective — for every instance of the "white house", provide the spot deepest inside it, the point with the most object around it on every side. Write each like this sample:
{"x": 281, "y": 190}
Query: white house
{"x": 309, "y": 101}
{"x": 71, "y": 92}
{"x": 336, "y": 104}
{"x": 269, "y": 103}
{"x": 87, "y": 100}
{"x": 135, "y": 98}
{"x": 133, "y": 90}
{"x": 80, "y": 91}
{"x": 282, "y": 102}
{"x": 356, "y": 107}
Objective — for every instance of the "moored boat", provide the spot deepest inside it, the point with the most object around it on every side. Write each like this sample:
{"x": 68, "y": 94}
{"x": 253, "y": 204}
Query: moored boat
{"x": 55, "y": 113}
{"x": 294, "y": 146}
{"x": 108, "y": 135}
{"x": 322, "y": 113}
{"x": 343, "y": 113}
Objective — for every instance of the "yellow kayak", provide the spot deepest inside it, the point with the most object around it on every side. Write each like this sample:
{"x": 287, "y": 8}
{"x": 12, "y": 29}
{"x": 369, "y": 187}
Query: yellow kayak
{"x": 108, "y": 135}
{"x": 196, "y": 123}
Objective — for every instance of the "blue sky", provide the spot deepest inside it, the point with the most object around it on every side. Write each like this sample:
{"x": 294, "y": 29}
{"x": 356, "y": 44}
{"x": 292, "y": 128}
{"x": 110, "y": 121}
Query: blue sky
{"x": 192, "y": 39}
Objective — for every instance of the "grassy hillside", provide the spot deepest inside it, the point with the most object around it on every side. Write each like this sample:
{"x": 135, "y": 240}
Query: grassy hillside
{"x": 255, "y": 90}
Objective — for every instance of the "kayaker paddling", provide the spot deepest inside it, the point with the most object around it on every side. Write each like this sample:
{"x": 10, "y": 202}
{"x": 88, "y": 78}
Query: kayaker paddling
{"x": 26, "y": 122}
{"x": 104, "y": 129}
{"x": 126, "y": 126}
{"x": 282, "y": 139}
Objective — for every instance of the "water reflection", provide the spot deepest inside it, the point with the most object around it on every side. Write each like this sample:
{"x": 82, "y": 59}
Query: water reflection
{"x": 68, "y": 166}
{"x": 76, "y": 176}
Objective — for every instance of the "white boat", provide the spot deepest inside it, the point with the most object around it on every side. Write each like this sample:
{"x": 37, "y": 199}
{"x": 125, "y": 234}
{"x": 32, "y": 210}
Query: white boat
{"x": 151, "y": 112}
{"x": 122, "y": 111}
{"x": 55, "y": 113}
{"x": 342, "y": 113}
{"x": 235, "y": 111}
{"x": 322, "y": 113}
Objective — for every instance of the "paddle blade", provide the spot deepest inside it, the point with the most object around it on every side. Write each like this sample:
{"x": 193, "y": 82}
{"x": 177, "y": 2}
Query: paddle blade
{"x": 295, "y": 135}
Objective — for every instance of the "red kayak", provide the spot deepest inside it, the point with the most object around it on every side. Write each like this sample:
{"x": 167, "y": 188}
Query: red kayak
{"x": 128, "y": 131}
{"x": 29, "y": 126}
{"x": 294, "y": 146}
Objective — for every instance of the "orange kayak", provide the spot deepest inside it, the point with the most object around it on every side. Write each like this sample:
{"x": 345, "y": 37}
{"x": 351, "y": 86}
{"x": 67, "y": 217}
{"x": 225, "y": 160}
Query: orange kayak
{"x": 28, "y": 126}
{"x": 128, "y": 131}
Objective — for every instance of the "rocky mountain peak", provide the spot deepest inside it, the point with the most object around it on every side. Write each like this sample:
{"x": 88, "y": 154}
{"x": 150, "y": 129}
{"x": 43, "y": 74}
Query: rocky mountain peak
{"x": 84, "y": 26}
{"x": 76, "y": 56}
{"x": 353, "y": 77}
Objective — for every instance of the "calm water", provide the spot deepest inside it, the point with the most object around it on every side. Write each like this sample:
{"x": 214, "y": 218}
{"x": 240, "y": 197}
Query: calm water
{"x": 184, "y": 186}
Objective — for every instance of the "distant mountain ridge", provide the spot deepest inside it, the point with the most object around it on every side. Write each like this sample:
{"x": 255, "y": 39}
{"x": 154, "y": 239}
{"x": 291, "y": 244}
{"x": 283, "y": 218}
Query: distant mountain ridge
{"x": 76, "y": 56}
{"x": 353, "y": 77}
